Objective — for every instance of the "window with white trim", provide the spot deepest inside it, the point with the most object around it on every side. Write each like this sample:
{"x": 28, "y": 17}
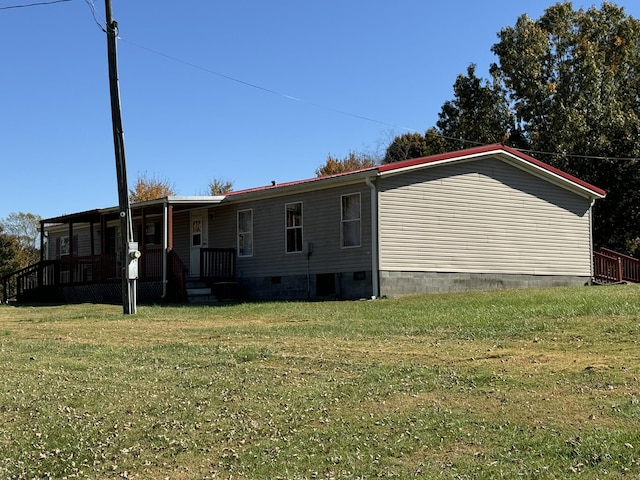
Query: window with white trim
{"x": 293, "y": 227}
{"x": 350, "y": 220}
{"x": 245, "y": 233}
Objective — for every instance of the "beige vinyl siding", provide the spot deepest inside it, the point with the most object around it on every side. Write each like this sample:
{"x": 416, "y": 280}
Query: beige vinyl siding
{"x": 483, "y": 216}
{"x": 321, "y": 223}
{"x": 222, "y": 227}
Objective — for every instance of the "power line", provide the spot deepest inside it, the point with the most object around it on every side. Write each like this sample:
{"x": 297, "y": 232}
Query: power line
{"x": 355, "y": 115}
{"x": 577, "y": 156}
{"x": 92, "y": 7}
{"x": 27, "y": 5}
{"x": 267, "y": 90}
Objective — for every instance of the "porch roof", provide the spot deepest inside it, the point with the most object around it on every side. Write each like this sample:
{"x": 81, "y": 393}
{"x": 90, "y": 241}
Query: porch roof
{"x": 87, "y": 216}
{"x": 94, "y": 215}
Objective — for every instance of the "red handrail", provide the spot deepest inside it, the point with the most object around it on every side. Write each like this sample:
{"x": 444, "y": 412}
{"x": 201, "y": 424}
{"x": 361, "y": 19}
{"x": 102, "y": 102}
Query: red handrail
{"x": 606, "y": 268}
{"x": 611, "y": 266}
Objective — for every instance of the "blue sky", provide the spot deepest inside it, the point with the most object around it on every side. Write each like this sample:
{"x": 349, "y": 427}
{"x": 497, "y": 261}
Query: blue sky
{"x": 247, "y": 91}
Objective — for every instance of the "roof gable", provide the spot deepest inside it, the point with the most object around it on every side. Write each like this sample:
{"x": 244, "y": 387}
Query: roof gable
{"x": 508, "y": 154}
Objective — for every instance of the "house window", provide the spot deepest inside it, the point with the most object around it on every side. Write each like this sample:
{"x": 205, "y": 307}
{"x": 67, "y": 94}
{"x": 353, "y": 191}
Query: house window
{"x": 64, "y": 245}
{"x": 152, "y": 234}
{"x": 196, "y": 232}
{"x": 245, "y": 233}
{"x": 350, "y": 220}
{"x": 293, "y": 222}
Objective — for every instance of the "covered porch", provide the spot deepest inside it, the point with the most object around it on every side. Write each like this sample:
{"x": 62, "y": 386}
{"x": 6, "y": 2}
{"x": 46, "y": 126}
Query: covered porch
{"x": 80, "y": 258}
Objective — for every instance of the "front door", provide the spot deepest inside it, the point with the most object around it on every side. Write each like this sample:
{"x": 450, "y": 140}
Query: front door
{"x": 199, "y": 239}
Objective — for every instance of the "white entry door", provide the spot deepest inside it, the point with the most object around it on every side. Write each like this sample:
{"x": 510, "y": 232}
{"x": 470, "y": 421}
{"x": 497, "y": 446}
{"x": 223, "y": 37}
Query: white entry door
{"x": 199, "y": 228}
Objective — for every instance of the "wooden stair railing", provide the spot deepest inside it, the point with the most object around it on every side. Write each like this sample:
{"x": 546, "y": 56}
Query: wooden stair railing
{"x": 178, "y": 277}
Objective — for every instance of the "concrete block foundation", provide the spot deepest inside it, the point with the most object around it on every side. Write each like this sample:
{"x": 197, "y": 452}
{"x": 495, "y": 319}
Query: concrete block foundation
{"x": 393, "y": 283}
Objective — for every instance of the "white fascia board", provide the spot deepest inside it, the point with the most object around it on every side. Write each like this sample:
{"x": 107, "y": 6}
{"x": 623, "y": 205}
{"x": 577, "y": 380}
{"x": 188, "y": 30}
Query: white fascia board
{"x": 186, "y": 200}
{"x": 181, "y": 200}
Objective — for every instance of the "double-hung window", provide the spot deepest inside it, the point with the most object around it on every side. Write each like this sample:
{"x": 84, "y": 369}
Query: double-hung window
{"x": 293, "y": 227}
{"x": 245, "y": 233}
{"x": 350, "y": 220}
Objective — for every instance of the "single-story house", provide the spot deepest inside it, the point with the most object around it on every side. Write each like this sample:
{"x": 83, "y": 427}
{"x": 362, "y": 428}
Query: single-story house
{"x": 482, "y": 218}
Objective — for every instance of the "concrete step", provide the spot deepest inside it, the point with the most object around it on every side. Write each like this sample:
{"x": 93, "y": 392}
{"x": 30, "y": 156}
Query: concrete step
{"x": 198, "y": 291}
{"x": 202, "y": 299}
{"x": 201, "y": 295}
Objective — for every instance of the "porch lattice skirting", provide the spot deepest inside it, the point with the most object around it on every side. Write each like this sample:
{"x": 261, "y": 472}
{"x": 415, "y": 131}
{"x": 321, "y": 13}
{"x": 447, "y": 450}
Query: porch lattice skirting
{"x": 148, "y": 292}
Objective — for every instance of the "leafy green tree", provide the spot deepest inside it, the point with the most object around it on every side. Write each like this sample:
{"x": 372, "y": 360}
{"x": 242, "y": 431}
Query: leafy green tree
{"x": 24, "y": 229}
{"x": 353, "y": 161}
{"x": 479, "y": 113}
{"x": 415, "y": 145}
{"x": 573, "y": 77}
{"x": 9, "y": 252}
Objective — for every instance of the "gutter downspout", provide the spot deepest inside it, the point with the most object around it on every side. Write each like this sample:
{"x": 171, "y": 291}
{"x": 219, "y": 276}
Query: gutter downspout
{"x": 165, "y": 246}
{"x": 591, "y": 258}
{"x": 375, "y": 283}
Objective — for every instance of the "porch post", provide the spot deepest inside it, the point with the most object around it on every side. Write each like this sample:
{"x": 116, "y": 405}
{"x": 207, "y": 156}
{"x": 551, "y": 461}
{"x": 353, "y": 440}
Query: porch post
{"x": 70, "y": 257}
{"x": 70, "y": 238}
{"x": 170, "y": 228}
{"x": 94, "y": 267}
{"x": 103, "y": 238}
{"x": 39, "y": 278}
{"x": 165, "y": 246}
{"x": 143, "y": 235}
{"x": 92, "y": 239}
{"x": 620, "y": 269}
{"x": 42, "y": 241}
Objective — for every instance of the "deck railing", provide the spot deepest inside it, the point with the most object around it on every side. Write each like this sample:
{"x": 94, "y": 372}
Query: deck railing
{"x": 51, "y": 274}
{"x": 610, "y": 266}
{"x": 217, "y": 264}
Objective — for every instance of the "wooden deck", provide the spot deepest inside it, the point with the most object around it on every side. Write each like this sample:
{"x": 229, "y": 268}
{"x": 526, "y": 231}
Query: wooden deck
{"x": 45, "y": 280}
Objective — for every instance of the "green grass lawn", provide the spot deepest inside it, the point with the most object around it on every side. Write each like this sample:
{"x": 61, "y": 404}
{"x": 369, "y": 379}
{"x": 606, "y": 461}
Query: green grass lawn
{"x": 508, "y": 384}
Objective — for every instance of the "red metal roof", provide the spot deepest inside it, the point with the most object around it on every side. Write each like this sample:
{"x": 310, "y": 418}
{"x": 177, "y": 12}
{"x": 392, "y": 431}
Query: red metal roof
{"x": 443, "y": 157}
{"x": 299, "y": 182}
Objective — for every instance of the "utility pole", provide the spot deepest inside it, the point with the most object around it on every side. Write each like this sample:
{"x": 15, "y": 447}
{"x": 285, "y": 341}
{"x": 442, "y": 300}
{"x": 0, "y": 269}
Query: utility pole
{"x": 128, "y": 250}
